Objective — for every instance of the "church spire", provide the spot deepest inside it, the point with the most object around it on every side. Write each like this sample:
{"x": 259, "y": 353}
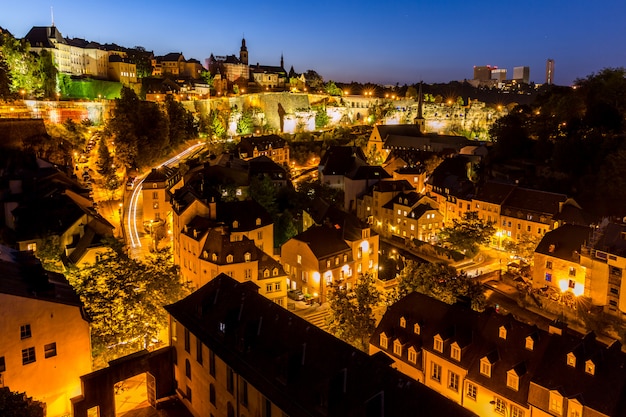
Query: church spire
{"x": 419, "y": 120}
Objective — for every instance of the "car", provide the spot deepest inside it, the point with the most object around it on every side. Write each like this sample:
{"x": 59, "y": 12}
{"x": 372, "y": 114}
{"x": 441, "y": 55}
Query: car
{"x": 295, "y": 295}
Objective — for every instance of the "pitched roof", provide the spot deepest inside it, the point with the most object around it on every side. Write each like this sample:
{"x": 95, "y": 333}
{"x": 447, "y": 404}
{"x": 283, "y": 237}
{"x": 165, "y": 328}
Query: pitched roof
{"x": 287, "y": 360}
{"x": 261, "y": 143}
{"x": 564, "y": 242}
{"x": 339, "y": 160}
{"x": 324, "y": 240}
{"x": 536, "y": 201}
{"x": 41, "y": 36}
{"x": 494, "y": 192}
{"x": 22, "y": 275}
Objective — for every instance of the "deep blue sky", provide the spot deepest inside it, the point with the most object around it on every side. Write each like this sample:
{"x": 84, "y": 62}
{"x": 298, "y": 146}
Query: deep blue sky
{"x": 384, "y": 41}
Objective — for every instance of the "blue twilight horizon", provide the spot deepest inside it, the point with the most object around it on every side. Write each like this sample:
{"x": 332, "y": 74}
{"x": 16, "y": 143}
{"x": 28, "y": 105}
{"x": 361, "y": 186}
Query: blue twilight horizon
{"x": 399, "y": 41}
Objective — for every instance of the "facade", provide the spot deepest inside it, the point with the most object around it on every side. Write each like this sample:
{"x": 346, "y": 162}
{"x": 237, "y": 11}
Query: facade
{"x": 80, "y": 57}
{"x": 155, "y": 191}
{"x": 46, "y": 344}
{"x": 521, "y": 74}
{"x": 237, "y": 354}
{"x": 176, "y": 65}
{"x": 371, "y": 206}
{"x": 550, "y": 71}
{"x": 492, "y": 364}
{"x": 272, "y": 146}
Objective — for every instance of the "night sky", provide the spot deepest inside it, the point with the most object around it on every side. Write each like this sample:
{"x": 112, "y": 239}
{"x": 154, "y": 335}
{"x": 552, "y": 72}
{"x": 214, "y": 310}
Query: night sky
{"x": 385, "y": 42}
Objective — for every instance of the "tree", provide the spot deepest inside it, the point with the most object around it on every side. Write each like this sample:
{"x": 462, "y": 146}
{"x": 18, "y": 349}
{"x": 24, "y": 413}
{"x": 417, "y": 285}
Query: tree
{"x": 313, "y": 79}
{"x": 48, "y": 73}
{"x": 124, "y": 298}
{"x": 245, "y": 124}
{"x": 207, "y": 78}
{"x": 17, "y": 404}
{"x": 105, "y": 160}
{"x": 352, "y": 311}
{"x": 216, "y": 126}
{"x": 332, "y": 90}
{"x": 466, "y": 234}
{"x": 264, "y": 192}
{"x": 439, "y": 281}
{"x": 181, "y": 123}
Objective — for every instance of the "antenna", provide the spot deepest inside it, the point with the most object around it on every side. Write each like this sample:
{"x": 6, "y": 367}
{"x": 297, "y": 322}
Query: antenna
{"x": 52, "y": 15}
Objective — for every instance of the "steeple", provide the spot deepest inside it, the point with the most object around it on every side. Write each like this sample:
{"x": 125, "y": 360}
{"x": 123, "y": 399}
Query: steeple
{"x": 243, "y": 52}
{"x": 282, "y": 61}
{"x": 419, "y": 120}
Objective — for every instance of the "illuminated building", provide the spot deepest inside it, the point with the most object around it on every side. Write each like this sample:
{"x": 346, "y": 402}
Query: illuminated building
{"x": 550, "y": 71}
{"x": 239, "y": 354}
{"x": 493, "y": 364}
{"x": 45, "y": 345}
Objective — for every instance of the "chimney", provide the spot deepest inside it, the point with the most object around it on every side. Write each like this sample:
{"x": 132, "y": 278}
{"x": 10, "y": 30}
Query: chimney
{"x": 212, "y": 209}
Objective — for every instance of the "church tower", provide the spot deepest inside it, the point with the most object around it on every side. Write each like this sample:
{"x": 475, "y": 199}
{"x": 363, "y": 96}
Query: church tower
{"x": 243, "y": 52}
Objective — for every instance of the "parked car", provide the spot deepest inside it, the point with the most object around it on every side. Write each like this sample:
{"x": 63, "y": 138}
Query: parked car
{"x": 295, "y": 295}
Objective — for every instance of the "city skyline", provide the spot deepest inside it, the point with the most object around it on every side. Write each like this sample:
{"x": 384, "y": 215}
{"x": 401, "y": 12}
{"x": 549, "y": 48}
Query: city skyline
{"x": 399, "y": 42}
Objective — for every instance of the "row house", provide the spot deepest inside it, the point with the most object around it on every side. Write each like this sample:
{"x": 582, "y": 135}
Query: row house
{"x": 155, "y": 190}
{"x": 193, "y": 217}
{"x": 45, "y": 345}
{"x": 235, "y": 353}
{"x": 370, "y": 205}
{"x": 272, "y": 146}
{"x": 494, "y": 364}
{"x": 240, "y": 259}
{"x": 414, "y": 216}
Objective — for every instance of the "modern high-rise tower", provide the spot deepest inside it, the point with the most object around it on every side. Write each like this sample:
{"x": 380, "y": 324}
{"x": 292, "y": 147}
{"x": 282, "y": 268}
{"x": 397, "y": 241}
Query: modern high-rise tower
{"x": 550, "y": 71}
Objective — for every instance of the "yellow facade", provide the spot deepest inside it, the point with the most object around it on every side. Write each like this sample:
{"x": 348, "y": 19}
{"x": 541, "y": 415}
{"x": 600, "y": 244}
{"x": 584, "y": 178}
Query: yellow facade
{"x": 46, "y": 348}
{"x": 208, "y": 386}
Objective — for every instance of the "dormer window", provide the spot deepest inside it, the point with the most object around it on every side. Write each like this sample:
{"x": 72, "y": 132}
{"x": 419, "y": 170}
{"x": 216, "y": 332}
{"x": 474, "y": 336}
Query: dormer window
{"x": 530, "y": 343}
{"x": 275, "y": 272}
{"x": 397, "y": 347}
{"x": 205, "y": 255}
{"x": 416, "y": 328}
{"x": 384, "y": 340}
{"x": 571, "y": 359}
{"x": 402, "y": 322}
{"x": 438, "y": 343}
{"x": 412, "y": 353}
{"x": 455, "y": 352}
{"x": 258, "y": 221}
{"x": 235, "y": 224}
{"x": 246, "y": 256}
{"x": 214, "y": 257}
{"x": 512, "y": 380}
{"x": 502, "y": 332}
{"x": 485, "y": 367}
{"x": 229, "y": 259}
{"x": 590, "y": 367}
{"x": 266, "y": 273}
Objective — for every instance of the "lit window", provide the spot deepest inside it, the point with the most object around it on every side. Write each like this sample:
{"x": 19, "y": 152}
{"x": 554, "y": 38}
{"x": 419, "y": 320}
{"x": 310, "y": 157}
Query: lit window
{"x": 556, "y": 402}
{"x": 28, "y": 355}
{"x": 50, "y": 350}
{"x": 571, "y": 359}
{"x": 471, "y": 391}
{"x": 453, "y": 381}
{"x": 530, "y": 343}
{"x": 402, "y": 322}
{"x": 299, "y": 259}
{"x": 512, "y": 380}
{"x": 25, "y": 332}
{"x": 416, "y": 328}
{"x": 258, "y": 221}
{"x": 455, "y": 352}
{"x": 517, "y": 412}
{"x": 383, "y": 341}
{"x": 499, "y": 406}
{"x": 268, "y": 287}
{"x": 412, "y": 355}
{"x": 590, "y": 367}
{"x": 435, "y": 371}
{"x": 438, "y": 343}
{"x": 246, "y": 256}
{"x": 397, "y": 348}
{"x": 502, "y": 332}
{"x": 229, "y": 259}
{"x": 485, "y": 367}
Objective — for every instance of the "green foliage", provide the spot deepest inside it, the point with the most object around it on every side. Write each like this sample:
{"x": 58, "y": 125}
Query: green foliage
{"x": 332, "y": 90}
{"x": 264, "y": 192}
{"x": 105, "y": 160}
{"x": 138, "y": 125}
{"x": 245, "y": 124}
{"x": 524, "y": 247}
{"x": 22, "y": 65}
{"x": 321, "y": 117}
{"x": 352, "y": 311}
{"x": 17, "y": 404}
{"x": 48, "y": 73}
{"x": 284, "y": 228}
{"x": 87, "y": 88}
{"x": 411, "y": 92}
{"x": 207, "y": 78}
{"x": 439, "y": 281}
{"x": 217, "y": 129}
{"x": 468, "y": 233}
{"x": 142, "y": 60}
{"x": 49, "y": 253}
{"x": 124, "y": 298}
{"x": 181, "y": 122}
